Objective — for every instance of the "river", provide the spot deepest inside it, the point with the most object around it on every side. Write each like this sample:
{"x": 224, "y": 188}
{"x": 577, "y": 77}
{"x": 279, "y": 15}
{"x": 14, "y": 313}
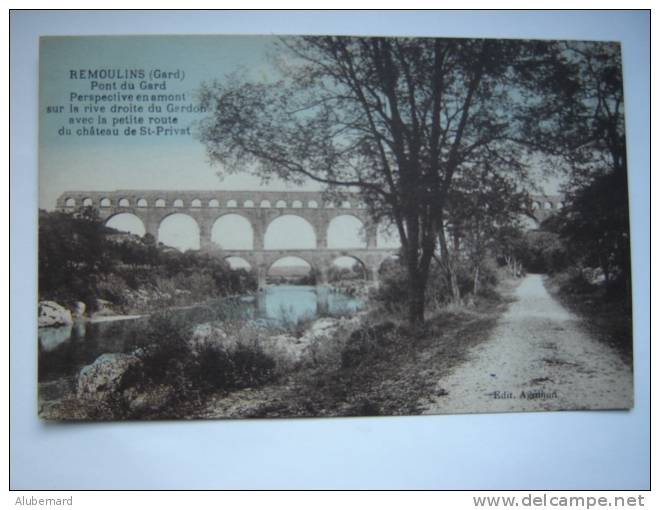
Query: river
{"x": 63, "y": 351}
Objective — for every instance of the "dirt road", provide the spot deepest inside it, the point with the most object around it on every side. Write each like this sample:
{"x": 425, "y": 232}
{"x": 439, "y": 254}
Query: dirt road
{"x": 538, "y": 358}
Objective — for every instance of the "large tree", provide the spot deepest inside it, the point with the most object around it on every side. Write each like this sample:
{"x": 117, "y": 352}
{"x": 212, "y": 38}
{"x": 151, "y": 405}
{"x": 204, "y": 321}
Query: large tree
{"x": 398, "y": 119}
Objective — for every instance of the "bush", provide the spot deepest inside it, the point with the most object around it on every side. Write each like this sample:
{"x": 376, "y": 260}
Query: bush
{"x": 573, "y": 282}
{"x": 80, "y": 260}
{"x": 366, "y": 342}
{"x": 169, "y": 357}
{"x": 544, "y": 252}
{"x": 392, "y": 294}
{"x": 218, "y": 368}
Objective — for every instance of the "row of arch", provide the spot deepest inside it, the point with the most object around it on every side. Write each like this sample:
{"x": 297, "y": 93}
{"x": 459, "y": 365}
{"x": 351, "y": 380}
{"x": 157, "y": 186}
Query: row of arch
{"x": 233, "y": 231}
{"x": 547, "y": 205}
{"x": 197, "y": 203}
{"x": 342, "y": 261}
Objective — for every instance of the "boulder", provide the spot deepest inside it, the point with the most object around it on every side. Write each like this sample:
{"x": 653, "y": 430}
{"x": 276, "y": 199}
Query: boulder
{"x": 79, "y": 309}
{"x": 53, "y": 314}
{"x": 102, "y": 378}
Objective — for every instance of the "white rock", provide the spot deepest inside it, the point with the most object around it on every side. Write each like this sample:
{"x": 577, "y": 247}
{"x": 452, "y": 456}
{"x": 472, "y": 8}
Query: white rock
{"x": 79, "y": 309}
{"x": 52, "y": 314}
{"x": 100, "y": 379}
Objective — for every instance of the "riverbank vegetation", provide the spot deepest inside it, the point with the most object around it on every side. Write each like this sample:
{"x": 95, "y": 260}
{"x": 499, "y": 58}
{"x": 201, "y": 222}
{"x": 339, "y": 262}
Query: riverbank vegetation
{"x": 199, "y": 363}
{"x": 82, "y": 260}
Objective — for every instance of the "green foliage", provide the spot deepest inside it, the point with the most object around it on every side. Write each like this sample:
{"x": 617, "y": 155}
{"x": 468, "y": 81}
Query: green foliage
{"x": 79, "y": 262}
{"x": 217, "y": 368}
{"x": 170, "y": 357}
{"x": 392, "y": 293}
{"x": 71, "y": 255}
{"x": 580, "y": 119}
{"x": 595, "y": 225}
{"x": 355, "y": 272}
{"x": 544, "y": 252}
{"x": 574, "y": 282}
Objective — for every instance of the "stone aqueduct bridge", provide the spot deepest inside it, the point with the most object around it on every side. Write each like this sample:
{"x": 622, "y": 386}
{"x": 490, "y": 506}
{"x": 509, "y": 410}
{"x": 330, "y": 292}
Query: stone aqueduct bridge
{"x": 260, "y": 208}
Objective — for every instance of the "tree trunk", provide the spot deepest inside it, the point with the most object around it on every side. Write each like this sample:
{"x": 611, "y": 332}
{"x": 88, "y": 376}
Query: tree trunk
{"x": 448, "y": 266}
{"x": 416, "y": 290}
{"x": 475, "y": 286}
{"x": 416, "y": 303}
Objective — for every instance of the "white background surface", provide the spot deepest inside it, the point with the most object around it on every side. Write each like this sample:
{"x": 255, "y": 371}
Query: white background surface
{"x": 533, "y": 451}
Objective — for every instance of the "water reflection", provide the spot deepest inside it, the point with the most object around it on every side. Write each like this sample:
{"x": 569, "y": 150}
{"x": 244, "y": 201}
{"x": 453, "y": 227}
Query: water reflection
{"x": 64, "y": 350}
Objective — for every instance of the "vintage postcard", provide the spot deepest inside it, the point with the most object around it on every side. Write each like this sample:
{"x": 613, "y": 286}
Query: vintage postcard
{"x": 293, "y": 226}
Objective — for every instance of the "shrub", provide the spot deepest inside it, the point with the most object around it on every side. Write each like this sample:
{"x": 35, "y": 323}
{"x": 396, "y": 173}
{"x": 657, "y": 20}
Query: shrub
{"x": 574, "y": 281}
{"x": 366, "y": 342}
{"x": 169, "y": 357}
{"x": 392, "y": 294}
{"x": 251, "y": 365}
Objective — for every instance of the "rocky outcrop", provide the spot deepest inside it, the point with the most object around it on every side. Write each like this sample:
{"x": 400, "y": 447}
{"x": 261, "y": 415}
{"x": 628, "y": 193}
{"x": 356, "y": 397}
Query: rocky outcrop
{"x": 284, "y": 348}
{"x": 102, "y": 378}
{"x": 101, "y": 386}
{"x": 53, "y": 314}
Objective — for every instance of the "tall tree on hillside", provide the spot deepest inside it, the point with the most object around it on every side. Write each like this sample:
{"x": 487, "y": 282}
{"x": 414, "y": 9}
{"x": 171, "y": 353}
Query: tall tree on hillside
{"x": 398, "y": 119}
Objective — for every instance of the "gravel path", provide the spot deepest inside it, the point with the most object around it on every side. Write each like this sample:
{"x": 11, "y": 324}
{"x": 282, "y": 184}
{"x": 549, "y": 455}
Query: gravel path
{"x": 538, "y": 359}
